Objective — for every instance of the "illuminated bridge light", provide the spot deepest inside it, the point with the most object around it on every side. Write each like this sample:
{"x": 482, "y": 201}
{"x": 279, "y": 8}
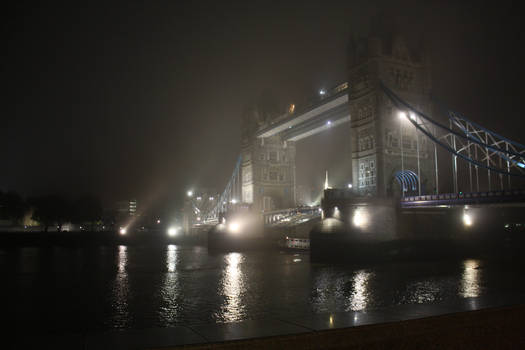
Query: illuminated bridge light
{"x": 467, "y": 219}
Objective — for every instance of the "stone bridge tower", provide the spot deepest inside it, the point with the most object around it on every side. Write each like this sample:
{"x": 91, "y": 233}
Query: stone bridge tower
{"x": 267, "y": 164}
{"x": 378, "y": 135}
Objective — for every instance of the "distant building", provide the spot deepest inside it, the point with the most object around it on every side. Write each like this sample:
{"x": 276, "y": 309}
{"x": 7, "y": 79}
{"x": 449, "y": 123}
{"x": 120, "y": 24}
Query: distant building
{"x": 127, "y": 208}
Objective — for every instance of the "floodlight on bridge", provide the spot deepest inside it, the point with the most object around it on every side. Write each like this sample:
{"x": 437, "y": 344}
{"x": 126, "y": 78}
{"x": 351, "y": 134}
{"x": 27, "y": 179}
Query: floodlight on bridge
{"x": 467, "y": 219}
{"x": 360, "y": 218}
{"x": 401, "y": 115}
{"x": 190, "y": 193}
{"x": 123, "y": 231}
{"x": 234, "y": 227}
{"x": 322, "y": 92}
{"x": 172, "y": 231}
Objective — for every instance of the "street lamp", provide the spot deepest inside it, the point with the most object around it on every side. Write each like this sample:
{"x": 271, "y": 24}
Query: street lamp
{"x": 402, "y": 115}
{"x": 413, "y": 117}
{"x": 190, "y": 193}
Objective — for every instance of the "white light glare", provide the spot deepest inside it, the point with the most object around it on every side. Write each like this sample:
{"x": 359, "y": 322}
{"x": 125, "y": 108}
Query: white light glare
{"x": 322, "y": 92}
{"x": 349, "y": 185}
{"x": 234, "y": 201}
{"x": 234, "y": 227}
{"x": 172, "y": 231}
{"x": 359, "y": 219}
{"x": 467, "y": 219}
{"x": 158, "y": 221}
{"x": 190, "y": 193}
{"x": 329, "y": 123}
{"x": 412, "y": 116}
{"x": 123, "y": 231}
{"x": 402, "y": 115}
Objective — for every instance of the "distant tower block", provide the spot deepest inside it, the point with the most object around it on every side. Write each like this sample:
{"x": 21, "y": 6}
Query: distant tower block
{"x": 267, "y": 166}
{"x": 375, "y": 127}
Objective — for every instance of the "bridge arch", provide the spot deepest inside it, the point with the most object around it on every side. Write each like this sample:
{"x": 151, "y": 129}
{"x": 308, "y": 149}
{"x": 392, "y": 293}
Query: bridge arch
{"x": 405, "y": 181}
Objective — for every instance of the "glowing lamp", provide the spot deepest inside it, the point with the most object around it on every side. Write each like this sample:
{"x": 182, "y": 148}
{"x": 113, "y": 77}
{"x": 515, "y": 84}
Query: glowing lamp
{"x": 172, "y": 231}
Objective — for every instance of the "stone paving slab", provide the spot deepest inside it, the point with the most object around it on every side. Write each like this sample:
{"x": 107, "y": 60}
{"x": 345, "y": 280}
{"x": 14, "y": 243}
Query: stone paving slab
{"x": 73, "y": 341}
{"x": 247, "y": 329}
{"x": 300, "y": 327}
{"x": 143, "y": 338}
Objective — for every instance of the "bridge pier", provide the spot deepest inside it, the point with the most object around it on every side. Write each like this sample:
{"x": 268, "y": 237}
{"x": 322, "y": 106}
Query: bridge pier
{"x": 366, "y": 229}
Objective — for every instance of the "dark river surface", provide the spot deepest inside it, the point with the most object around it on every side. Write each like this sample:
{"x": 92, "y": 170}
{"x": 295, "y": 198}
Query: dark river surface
{"x": 107, "y": 287}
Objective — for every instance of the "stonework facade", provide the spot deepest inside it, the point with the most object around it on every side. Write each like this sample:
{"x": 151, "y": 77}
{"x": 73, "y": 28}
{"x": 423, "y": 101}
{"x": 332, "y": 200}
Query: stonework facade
{"x": 267, "y": 167}
{"x": 378, "y": 135}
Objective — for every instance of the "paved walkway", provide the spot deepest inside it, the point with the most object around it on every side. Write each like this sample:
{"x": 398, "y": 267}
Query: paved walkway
{"x": 208, "y": 334}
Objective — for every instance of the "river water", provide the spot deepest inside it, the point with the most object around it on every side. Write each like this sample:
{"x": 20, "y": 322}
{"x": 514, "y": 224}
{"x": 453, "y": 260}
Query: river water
{"x": 107, "y": 287}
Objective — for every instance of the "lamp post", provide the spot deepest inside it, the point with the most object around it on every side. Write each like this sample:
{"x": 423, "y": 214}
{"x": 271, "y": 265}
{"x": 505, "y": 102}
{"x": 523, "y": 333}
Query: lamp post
{"x": 414, "y": 118}
{"x": 402, "y": 116}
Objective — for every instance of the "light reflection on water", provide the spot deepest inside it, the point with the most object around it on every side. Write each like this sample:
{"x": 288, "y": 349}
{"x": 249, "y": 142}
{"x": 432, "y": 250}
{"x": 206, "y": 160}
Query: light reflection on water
{"x": 420, "y": 292}
{"x": 232, "y": 287}
{"x": 360, "y": 296}
{"x": 121, "y": 291}
{"x": 123, "y": 287}
{"x": 170, "y": 307}
{"x": 470, "y": 280}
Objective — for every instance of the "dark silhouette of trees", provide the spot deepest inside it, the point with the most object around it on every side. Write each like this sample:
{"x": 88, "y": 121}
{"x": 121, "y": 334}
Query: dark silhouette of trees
{"x": 87, "y": 210}
{"x": 50, "y": 210}
{"x": 12, "y": 207}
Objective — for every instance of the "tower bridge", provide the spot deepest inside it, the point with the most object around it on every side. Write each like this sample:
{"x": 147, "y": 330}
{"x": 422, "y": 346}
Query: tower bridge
{"x": 397, "y": 140}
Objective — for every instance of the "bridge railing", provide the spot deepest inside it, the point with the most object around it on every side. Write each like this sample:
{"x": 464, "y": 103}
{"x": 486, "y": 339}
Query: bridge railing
{"x": 488, "y": 196}
{"x": 274, "y": 216}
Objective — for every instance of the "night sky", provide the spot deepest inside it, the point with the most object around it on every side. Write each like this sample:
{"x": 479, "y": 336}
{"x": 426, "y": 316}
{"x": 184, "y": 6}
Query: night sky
{"x": 144, "y": 100}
